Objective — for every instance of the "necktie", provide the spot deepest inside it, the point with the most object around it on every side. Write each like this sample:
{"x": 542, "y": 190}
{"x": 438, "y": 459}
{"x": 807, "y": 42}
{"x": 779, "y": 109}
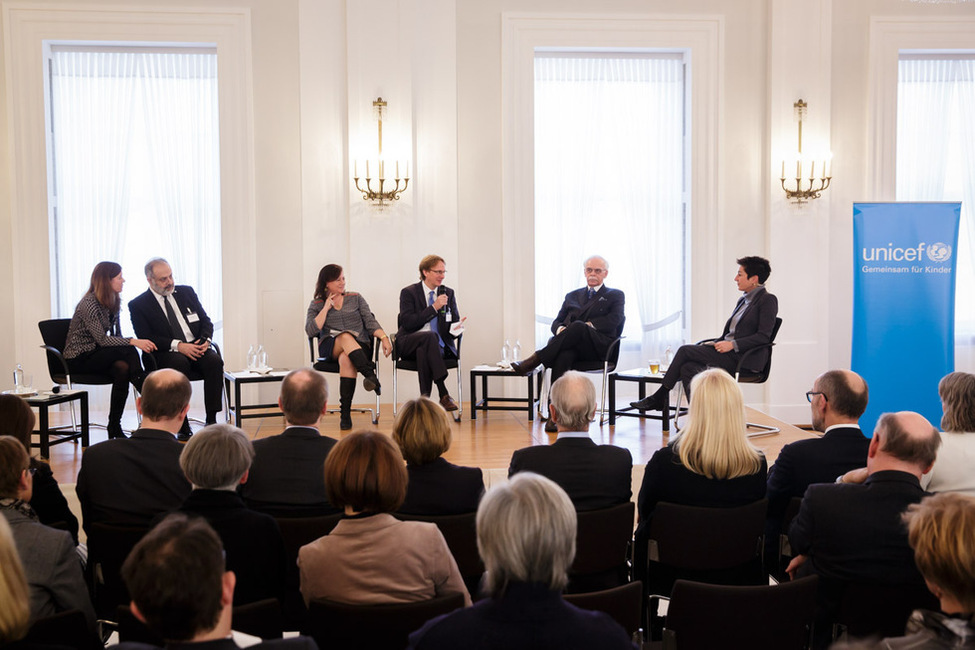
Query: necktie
{"x": 430, "y": 301}
{"x": 173, "y": 321}
{"x": 592, "y": 292}
{"x": 433, "y": 322}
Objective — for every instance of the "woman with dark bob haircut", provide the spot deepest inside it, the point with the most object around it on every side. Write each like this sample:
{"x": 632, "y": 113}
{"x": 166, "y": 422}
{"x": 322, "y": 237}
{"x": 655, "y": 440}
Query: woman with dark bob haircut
{"x": 370, "y": 556}
{"x": 436, "y": 487}
{"x": 953, "y": 470}
{"x": 344, "y": 325}
{"x": 47, "y": 501}
{"x": 95, "y": 344}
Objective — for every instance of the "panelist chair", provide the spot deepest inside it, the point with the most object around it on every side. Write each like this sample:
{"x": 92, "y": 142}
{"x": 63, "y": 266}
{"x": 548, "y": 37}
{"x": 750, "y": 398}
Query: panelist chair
{"x": 150, "y": 360}
{"x": 54, "y": 333}
{"x": 743, "y": 376}
{"x": 411, "y": 364}
{"x": 329, "y": 366}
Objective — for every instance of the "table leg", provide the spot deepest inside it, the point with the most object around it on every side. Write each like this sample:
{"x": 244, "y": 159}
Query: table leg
{"x": 84, "y": 421}
{"x": 531, "y": 393}
{"x": 473, "y": 396}
{"x": 612, "y": 399}
{"x": 484, "y": 391}
{"x": 44, "y": 431}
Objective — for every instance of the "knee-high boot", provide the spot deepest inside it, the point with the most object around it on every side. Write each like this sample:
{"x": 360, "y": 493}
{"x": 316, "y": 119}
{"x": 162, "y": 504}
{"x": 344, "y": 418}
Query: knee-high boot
{"x": 346, "y": 391}
{"x": 366, "y": 369}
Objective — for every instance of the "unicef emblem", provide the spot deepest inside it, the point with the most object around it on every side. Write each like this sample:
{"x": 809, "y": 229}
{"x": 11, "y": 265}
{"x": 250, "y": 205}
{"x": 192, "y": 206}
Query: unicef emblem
{"x": 939, "y": 252}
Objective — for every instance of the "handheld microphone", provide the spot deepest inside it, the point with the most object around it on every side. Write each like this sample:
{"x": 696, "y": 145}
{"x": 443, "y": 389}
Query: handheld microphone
{"x": 441, "y": 290}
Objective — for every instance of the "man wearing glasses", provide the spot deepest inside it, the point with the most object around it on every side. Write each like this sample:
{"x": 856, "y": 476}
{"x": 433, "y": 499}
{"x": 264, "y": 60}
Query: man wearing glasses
{"x": 429, "y": 323}
{"x": 591, "y": 318}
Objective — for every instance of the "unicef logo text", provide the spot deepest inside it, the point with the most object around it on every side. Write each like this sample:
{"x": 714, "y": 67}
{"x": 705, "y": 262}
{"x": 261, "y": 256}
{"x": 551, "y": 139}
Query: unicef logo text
{"x": 939, "y": 252}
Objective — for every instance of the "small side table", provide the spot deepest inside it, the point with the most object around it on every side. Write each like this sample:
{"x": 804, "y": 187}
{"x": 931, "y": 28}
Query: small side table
{"x": 234, "y": 380}
{"x": 43, "y": 401}
{"x": 642, "y": 377}
{"x": 529, "y": 403}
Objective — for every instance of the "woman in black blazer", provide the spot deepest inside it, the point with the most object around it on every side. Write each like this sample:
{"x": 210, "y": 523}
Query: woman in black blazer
{"x": 436, "y": 487}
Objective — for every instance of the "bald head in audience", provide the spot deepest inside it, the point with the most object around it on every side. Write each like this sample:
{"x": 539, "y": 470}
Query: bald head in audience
{"x": 165, "y": 400}
{"x": 839, "y": 397}
{"x": 903, "y": 441}
{"x": 573, "y": 400}
{"x": 304, "y": 397}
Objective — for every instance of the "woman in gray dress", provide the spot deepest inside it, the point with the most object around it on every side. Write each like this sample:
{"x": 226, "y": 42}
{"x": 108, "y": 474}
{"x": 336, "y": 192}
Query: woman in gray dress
{"x": 344, "y": 325}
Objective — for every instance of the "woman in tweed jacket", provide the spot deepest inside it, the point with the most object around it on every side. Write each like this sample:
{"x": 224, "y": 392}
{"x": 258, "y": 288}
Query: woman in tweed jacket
{"x": 95, "y": 345}
{"x": 344, "y": 325}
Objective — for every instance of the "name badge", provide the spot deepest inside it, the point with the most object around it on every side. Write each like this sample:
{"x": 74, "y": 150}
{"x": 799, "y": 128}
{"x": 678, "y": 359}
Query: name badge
{"x": 448, "y": 317}
{"x": 192, "y": 317}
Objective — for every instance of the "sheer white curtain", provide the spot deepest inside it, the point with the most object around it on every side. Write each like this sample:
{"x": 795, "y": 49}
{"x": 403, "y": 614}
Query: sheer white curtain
{"x": 609, "y": 180}
{"x": 936, "y": 162}
{"x": 136, "y": 169}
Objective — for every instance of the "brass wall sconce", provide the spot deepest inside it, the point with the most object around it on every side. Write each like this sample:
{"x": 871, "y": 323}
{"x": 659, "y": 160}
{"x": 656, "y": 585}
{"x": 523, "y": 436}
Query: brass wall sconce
{"x": 380, "y": 195}
{"x": 815, "y": 186}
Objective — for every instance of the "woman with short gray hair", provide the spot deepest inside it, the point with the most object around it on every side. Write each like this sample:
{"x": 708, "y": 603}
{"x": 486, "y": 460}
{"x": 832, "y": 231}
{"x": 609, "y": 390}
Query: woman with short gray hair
{"x": 216, "y": 460}
{"x": 526, "y": 532}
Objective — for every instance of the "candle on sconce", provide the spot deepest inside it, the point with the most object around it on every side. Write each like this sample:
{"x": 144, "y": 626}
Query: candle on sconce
{"x": 355, "y": 168}
{"x": 783, "y": 170}
{"x": 367, "y": 170}
{"x": 382, "y": 171}
{"x": 397, "y": 170}
{"x": 798, "y": 169}
{"x": 812, "y": 170}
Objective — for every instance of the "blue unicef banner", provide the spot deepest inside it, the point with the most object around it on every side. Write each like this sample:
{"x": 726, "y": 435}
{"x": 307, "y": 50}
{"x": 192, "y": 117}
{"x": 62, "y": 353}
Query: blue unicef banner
{"x": 904, "y": 304}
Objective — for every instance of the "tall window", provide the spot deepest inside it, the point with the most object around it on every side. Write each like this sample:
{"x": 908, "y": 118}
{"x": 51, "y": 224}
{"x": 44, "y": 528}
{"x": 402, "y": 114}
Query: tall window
{"x": 610, "y": 157}
{"x": 134, "y": 152}
{"x": 936, "y": 159}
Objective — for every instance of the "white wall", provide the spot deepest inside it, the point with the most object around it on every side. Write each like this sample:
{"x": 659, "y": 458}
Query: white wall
{"x": 315, "y": 67}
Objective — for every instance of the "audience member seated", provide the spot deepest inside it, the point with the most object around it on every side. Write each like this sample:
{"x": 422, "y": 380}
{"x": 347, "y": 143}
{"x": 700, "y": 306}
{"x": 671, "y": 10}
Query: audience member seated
{"x": 940, "y": 530}
{"x": 182, "y": 591}
{"x": 749, "y": 327}
{"x": 954, "y": 470}
{"x": 130, "y": 481}
{"x": 15, "y": 613}
{"x": 594, "y": 476}
{"x": 47, "y": 502}
{"x": 853, "y": 532}
{"x": 710, "y": 464}
{"x": 286, "y": 477}
{"x": 345, "y": 325}
{"x": 526, "y": 532}
{"x": 95, "y": 344}
{"x": 436, "y": 487}
{"x": 216, "y": 460}
{"x": 51, "y": 564}
{"x": 371, "y": 557}
{"x": 590, "y": 319}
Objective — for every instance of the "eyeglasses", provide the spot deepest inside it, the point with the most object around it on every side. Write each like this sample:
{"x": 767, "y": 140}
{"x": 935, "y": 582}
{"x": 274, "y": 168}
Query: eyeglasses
{"x": 444, "y": 272}
{"x": 590, "y": 270}
{"x": 810, "y": 393}
{"x": 31, "y": 470}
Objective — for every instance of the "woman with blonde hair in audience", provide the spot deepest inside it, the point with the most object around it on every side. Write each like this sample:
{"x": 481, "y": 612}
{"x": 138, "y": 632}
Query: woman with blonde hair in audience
{"x": 47, "y": 501}
{"x": 95, "y": 345}
{"x": 14, "y": 596}
{"x": 436, "y": 487}
{"x": 526, "y": 535}
{"x": 954, "y": 469}
{"x": 710, "y": 464}
{"x": 370, "y": 556}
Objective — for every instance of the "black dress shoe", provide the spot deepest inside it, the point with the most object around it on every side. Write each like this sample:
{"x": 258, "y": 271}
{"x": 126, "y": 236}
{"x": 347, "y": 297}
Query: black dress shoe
{"x": 525, "y": 366}
{"x": 655, "y": 402}
{"x": 115, "y": 431}
{"x": 550, "y": 426}
{"x": 345, "y": 421}
{"x": 184, "y": 437}
{"x": 372, "y": 383}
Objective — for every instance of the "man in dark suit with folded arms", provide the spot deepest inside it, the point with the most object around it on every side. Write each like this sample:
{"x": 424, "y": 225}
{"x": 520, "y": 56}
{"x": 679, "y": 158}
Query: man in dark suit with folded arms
{"x": 589, "y": 321}
{"x": 594, "y": 476}
{"x": 749, "y": 327}
{"x": 427, "y": 311}
{"x": 172, "y": 317}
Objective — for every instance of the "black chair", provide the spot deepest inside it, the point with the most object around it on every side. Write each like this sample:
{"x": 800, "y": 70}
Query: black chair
{"x": 784, "y": 548}
{"x": 869, "y": 610}
{"x": 602, "y": 548}
{"x": 605, "y": 366}
{"x": 410, "y": 364}
{"x": 623, "y": 603}
{"x": 714, "y": 545}
{"x": 460, "y": 533}
{"x": 372, "y": 627}
{"x": 743, "y": 376}
{"x": 151, "y": 364}
{"x": 327, "y": 365}
{"x": 54, "y": 333}
{"x": 108, "y": 546}
{"x": 64, "y": 629}
{"x": 261, "y": 619}
{"x": 705, "y": 616}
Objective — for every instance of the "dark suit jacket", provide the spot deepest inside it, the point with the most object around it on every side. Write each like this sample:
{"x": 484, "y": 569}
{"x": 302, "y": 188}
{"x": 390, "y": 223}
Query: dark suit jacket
{"x": 594, "y": 476}
{"x": 252, "y": 541}
{"x": 441, "y": 488}
{"x": 295, "y": 643}
{"x": 130, "y": 481}
{"x": 48, "y": 502}
{"x": 528, "y": 616}
{"x": 287, "y": 476}
{"x": 149, "y": 320}
{"x": 854, "y": 532}
{"x": 604, "y": 311}
{"x": 817, "y": 460}
{"x": 415, "y": 313}
{"x": 755, "y": 328}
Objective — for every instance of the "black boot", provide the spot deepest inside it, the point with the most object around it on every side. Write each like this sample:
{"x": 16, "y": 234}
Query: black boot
{"x": 525, "y": 367}
{"x": 346, "y": 391}
{"x": 366, "y": 369}
{"x": 115, "y": 430}
{"x": 655, "y": 402}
